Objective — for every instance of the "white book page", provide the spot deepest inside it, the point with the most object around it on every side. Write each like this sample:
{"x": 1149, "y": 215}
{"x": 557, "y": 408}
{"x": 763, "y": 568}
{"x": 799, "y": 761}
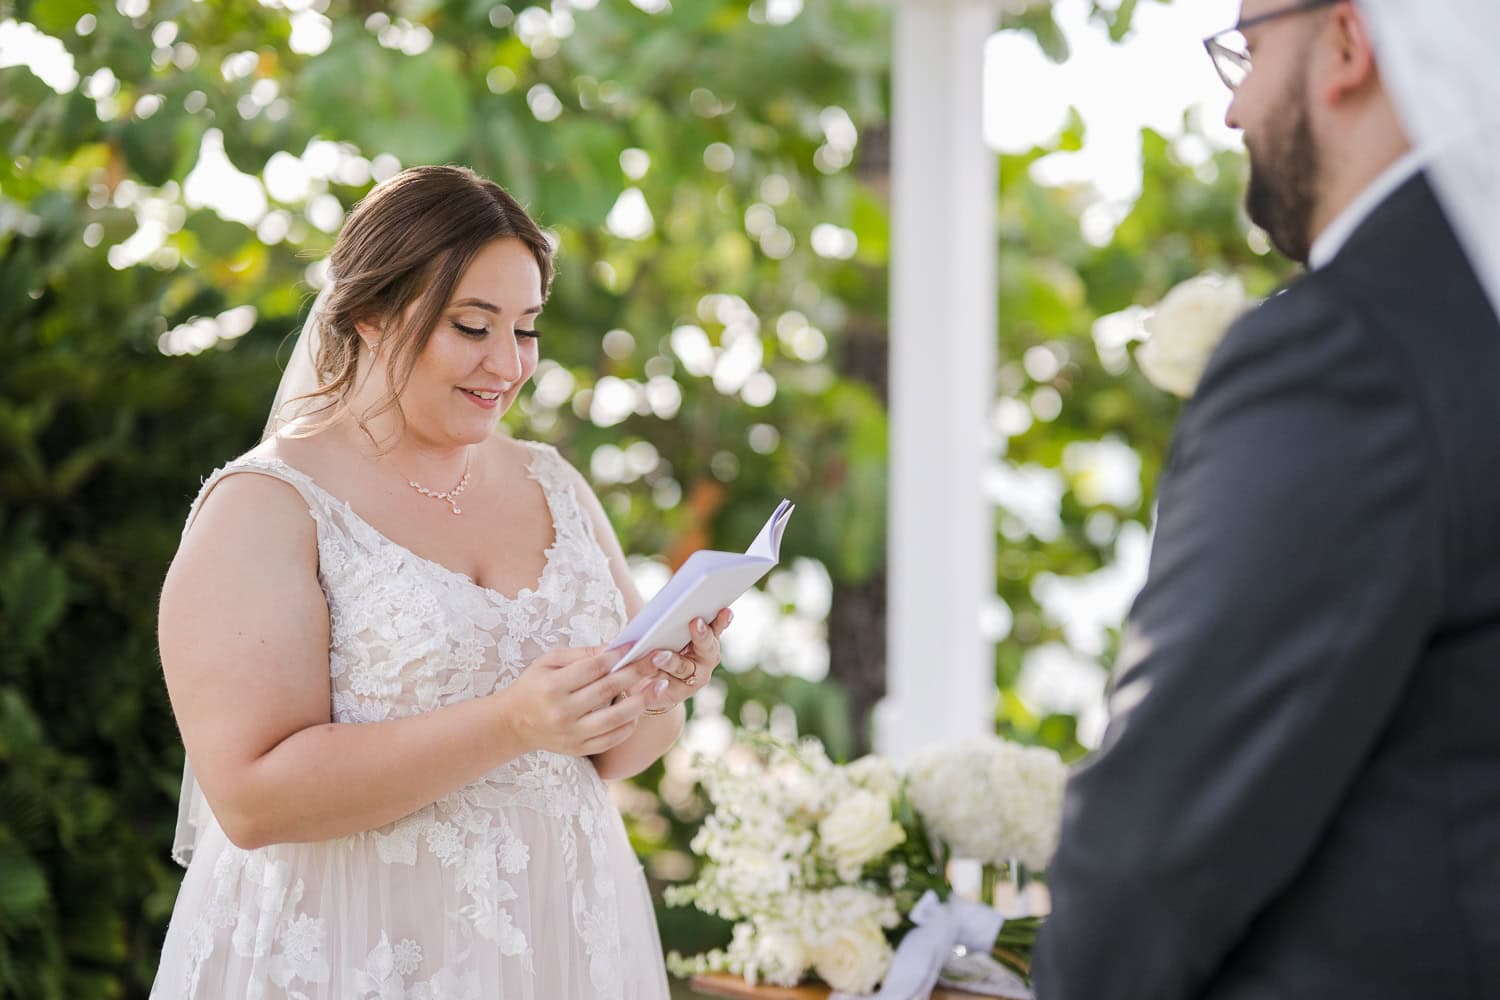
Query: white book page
{"x": 708, "y": 582}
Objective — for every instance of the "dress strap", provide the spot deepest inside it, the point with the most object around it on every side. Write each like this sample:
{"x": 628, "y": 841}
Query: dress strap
{"x": 557, "y": 478}
{"x": 265, "y": 466}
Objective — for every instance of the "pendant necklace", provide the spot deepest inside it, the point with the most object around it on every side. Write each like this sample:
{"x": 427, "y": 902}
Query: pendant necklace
{"x": 450, "y": 497}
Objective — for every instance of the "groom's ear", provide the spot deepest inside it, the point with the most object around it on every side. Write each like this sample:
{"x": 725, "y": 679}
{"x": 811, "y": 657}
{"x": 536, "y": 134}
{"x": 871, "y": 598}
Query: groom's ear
{"x": 1352, "y": 70}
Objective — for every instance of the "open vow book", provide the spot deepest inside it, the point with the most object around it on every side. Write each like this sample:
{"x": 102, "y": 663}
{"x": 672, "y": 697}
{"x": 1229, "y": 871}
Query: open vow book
{"x": 708, "y": 582}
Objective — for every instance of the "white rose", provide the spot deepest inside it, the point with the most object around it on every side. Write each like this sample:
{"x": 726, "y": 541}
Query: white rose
{"x": 853, "y": 958}
{"x": 1186, "y": 327}
{"x": 859, "y": 830}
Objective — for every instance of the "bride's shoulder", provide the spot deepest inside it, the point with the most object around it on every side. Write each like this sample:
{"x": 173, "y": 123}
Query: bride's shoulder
{"x": 274, "y": 493}
{"x": 245, "y": 523}
{"x": 260, "y": 489}
{"x": 243, "y": 533}
{"x": 549, "y": 465}
{"x": 544, "y": 462}
{"x": 520, "y": 455}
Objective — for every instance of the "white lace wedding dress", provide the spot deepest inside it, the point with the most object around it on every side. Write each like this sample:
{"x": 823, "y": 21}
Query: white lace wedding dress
{"x": 520, "y": 885}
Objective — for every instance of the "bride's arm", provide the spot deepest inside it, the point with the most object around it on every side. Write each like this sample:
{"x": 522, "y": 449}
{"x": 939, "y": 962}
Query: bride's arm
{"x": 655, "y": 733}
{"x": 244, "y": 630}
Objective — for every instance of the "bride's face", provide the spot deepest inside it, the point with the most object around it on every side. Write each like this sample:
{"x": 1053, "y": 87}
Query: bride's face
{"x": 483, "y": 350}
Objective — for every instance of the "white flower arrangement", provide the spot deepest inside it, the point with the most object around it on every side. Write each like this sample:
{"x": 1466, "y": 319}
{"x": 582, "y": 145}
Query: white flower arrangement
{"x": 991, "y": 800}
{"x": 818, "y": 864}
{"x": 784, "y": 854}
{"x": 1185, "y": 327}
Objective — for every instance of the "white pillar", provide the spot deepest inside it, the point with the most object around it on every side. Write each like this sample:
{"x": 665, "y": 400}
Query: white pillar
{"x": 941, "y": 542}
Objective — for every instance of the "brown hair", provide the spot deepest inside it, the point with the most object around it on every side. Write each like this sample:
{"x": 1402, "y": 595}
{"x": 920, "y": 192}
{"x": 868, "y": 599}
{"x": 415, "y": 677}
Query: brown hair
{"x": 409, "y": 240}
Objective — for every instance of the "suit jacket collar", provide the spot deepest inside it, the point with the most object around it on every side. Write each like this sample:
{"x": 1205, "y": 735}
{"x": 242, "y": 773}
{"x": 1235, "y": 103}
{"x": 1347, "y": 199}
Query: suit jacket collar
{"x": 1336, "y": 235}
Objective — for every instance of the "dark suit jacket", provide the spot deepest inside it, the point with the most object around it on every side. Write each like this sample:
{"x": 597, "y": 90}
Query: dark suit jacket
{"x": 1298, "y": 794}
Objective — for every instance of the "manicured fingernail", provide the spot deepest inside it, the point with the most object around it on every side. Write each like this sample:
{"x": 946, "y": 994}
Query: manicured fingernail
{"x": 660, "y": 686}
{"x": 698, "y": 626}
{"x": 662, "y": 659}
{"x": 729, "y": 617}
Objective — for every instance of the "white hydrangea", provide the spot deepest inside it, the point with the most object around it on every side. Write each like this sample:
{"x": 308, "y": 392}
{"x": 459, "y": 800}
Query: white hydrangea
{"x": 990, "y": 799}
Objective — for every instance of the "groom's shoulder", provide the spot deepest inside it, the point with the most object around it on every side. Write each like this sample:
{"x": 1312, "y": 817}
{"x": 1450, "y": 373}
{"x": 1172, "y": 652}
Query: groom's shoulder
{"x": 1303, "y": 314}
{"x": 1306, "y": 337}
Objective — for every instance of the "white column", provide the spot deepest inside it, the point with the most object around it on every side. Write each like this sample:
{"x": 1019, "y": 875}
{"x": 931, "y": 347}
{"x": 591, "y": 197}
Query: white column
{"x": 943, "y": 328}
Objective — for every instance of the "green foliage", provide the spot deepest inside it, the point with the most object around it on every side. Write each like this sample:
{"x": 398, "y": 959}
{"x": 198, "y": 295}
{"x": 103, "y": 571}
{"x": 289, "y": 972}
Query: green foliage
{"x": 1054, "y": 287}
{"x": 104, "y": 439}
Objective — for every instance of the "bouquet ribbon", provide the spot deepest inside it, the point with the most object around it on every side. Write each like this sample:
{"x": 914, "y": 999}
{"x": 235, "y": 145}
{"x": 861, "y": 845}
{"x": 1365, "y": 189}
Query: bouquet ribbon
{"x": 941, "y": 926}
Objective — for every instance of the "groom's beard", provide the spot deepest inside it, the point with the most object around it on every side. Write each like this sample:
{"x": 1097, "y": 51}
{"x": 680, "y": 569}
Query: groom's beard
{"x": 1283, "y": 188}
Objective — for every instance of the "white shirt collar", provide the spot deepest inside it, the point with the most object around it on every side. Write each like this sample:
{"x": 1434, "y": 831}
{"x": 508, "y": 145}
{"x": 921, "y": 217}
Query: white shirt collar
{"x": 1332, "y": 239}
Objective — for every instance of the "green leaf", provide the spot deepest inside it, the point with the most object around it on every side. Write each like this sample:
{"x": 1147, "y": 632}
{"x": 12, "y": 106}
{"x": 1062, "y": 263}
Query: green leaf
{"x": 23, "y": 887}
{"x": 19, "y": 727}
{"x": 583, "y": 181}
{"x": 153, "y": 146}
{"x": 57, "y": 17}
{"x": 871, "y": 222}
{"x": 33, "y": 594}
{"x": 1120, "y": 24}
{"x": 416, "y": 109}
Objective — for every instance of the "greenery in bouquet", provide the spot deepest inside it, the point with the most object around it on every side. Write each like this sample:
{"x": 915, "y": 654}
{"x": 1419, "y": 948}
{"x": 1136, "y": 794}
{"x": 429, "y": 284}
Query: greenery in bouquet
{"x": 818, "y": 864}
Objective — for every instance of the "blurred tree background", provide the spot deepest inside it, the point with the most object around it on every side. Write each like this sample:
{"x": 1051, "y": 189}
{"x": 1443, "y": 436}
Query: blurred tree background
{"x": 715, "y": 174}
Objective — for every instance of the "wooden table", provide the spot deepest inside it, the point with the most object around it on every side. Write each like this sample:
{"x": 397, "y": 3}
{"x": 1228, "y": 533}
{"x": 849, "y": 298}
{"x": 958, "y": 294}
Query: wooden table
{"x": 736, "y": 988}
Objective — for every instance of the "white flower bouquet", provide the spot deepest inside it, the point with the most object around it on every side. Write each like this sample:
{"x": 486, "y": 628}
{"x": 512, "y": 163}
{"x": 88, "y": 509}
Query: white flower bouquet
{"x": 819, "y": 865}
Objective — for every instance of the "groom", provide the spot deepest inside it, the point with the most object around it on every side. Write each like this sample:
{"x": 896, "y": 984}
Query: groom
{"x": 1298, "y": 796}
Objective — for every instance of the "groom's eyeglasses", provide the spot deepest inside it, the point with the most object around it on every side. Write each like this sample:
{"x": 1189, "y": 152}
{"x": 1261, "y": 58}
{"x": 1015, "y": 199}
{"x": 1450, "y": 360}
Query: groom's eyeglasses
{"x": 1227, "y": 48}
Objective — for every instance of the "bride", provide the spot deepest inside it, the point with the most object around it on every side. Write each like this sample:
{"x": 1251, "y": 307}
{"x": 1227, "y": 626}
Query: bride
{"x": 381, "y": 639}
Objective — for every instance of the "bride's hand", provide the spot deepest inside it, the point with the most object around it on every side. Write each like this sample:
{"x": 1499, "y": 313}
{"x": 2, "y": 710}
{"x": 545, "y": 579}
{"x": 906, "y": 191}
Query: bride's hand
{"x": 564, "y": 701}
{"x": 688, "y": 669}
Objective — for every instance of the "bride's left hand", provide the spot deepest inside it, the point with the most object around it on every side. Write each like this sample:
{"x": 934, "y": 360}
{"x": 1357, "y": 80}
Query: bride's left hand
{"x": 687, "y": 670}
